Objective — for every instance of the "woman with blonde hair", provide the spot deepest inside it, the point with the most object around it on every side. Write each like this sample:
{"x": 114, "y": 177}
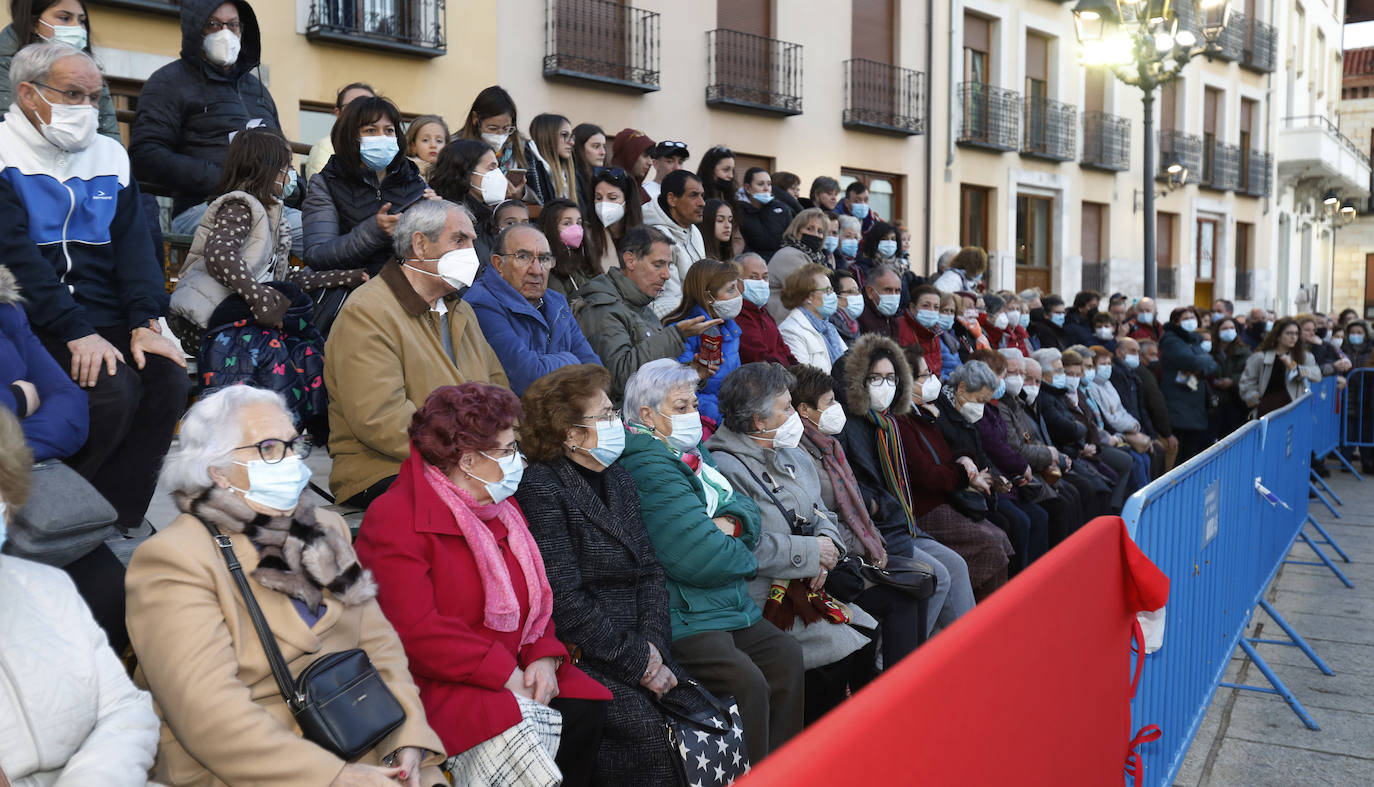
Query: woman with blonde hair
{"x": 803, "y": 243}
{"x": 425, "y": 137}
{"x": 552, "y": 150}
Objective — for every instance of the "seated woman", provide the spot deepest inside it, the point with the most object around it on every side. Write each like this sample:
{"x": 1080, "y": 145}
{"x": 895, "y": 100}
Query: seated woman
{"x": 810, "y": 300}
{"x": 711, "y": 290}
{"x": 562, "y": 224}
{"x": 238, "y": 469}
{"x": 68, "y": 712}
{"x": 803, "y": 243}
{"x": 717, "y": 227}
{"x": 1070, "y": 427}
{"x": 352, "y": 207}
{"x": 704, "y": 534}
{"x": 823, "y": 420}
{"x": 466, "y": 173}
{"x": 610, "y": 603}
{"x": 425, "y": 137}
{"x": 612, "y": 214}
{"x": 492, "y": 120}
{"x": 506, "y": 214}
{"x": 756, "y": 448}
{"x": 850, "y": 306}
{"x": 463, "y": 582}
{"x": 551, "y": 156}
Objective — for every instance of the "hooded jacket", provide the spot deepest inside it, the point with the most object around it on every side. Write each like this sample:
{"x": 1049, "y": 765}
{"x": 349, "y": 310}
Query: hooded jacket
{"x": 58, "y": 428}
{"x": 75, "y": 236}
{"x": 189, "y": 107}
{"x": 1045, "y": 331}
{"x": 10, "y": 44}
{"x": 763, "y": 225}
{"x": 688, "y": 247}
{"x": 622, "y": 331}
{"x": 1180, "y": 353}
{"x": 529, "y": 341}
{"x": 708, "y": 393}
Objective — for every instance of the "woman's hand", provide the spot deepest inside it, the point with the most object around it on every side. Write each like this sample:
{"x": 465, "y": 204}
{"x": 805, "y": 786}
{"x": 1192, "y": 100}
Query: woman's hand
{"x": 429, "y": 193}
{"x": 408, "y": 760}
{"x": 726, "y": 525}
{"x": 655, "y": 661}
{"x": 356, "y": 775}
{"x": 516, "y": 683}
{"x": 970, "y": 469}
{"x": 386, "y": 222}
{"x": 830, "y": 554}
{"x": 662, "y": 682}
{"x": 880, "y": 559}
{"x": 541, "y": 681}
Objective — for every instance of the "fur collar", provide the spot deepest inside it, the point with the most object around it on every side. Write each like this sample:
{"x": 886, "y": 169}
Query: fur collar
{"x": 9, "y": 287}
{"x": 855, "y": 368}
{"x": 296, "y": 554}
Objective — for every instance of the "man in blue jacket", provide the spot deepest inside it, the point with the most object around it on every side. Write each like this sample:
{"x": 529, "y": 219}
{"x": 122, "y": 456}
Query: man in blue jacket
{"x": 529, "y": 326}
{"x": 77, "y": 242}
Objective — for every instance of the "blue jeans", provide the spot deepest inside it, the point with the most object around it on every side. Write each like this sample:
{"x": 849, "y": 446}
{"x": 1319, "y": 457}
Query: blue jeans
{"x": 953, "y": 593}
{"x": 187, "y": 221}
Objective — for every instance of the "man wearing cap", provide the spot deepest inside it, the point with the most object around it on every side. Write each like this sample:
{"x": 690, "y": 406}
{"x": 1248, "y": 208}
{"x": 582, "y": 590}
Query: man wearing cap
{"x": 630, "y": 152}
{"x": 667, "y": 156}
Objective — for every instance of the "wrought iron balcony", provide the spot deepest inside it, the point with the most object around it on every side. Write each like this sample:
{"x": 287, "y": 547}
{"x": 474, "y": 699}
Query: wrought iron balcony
{"x": 1261, "y": 42}
{"x": 1097, "y": 276}
{"x": 170, "y": 7}
{"x": 1106, "y": 142}
{"x": 412, "y": 27}
{"x": 1220, "y": 167}
{"x": 602, "y": 41}
{"x": 1184, "y": 148}
{"x": 1255, "y": 173}
{"x": 753, "y": 72}
{"x": 1166, "y": 281}
{"x": 1051, "y": 129}
{"x": 991, "y": 117}
{"x": 1230, "y": 45}
{"x": 1245, "y": 285}
{"x": 1312, "y": 146}
{"x": 883, "y": 97}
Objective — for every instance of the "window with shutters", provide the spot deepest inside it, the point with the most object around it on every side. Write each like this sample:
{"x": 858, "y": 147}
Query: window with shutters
{"x": 604, "y": 41}
{"x": 1204, "y": 283}
{"x": 975, "y": 205}
{"x": 748, "y": 69}
{"x": 880, "y": 95}
{"x": 1106, "y": 137}
{"x": 1165, "y": 226}
{"x": 1034, "y": 251}
{"x": 1245, "y": 234}
{"x": 990, "y": 115}
{"x": 1245, "y": 140}
{"x": 1094, "y": 247}
{"x": 1051, "y": 127}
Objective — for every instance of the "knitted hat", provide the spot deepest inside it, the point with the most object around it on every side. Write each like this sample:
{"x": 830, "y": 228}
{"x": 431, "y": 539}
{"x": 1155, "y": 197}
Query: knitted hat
{"x": 628, "y": 146}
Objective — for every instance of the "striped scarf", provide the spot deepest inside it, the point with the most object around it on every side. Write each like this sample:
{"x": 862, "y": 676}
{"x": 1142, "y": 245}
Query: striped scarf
{"x": 892, "y": 460}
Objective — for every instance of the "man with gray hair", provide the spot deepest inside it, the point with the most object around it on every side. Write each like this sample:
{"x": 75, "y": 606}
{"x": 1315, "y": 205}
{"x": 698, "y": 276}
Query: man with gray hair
{"x": 397, "y": 338}
{"x": 76, "y": 239}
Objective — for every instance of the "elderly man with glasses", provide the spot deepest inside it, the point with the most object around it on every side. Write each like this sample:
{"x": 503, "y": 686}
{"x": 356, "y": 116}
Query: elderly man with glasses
{"x": 530, "y": 327}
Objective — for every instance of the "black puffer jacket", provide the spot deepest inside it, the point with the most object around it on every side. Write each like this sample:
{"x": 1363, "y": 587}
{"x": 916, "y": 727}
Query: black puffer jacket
{"x": 188, "y": 109}
{"x": 339, "y": 215}
{"x": 763, "y": 225}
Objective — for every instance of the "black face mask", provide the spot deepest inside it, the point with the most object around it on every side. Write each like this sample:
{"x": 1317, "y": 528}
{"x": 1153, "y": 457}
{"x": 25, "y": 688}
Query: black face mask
{"x": 726, "y": 187}
{"x": 1321, "y": 333}
{"x": 812, "y": 242}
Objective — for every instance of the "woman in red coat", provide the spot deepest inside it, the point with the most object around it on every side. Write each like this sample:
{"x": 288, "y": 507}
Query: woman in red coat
{"x": 461, "y": 579}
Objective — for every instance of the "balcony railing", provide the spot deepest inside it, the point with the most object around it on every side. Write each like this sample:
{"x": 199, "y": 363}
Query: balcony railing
{"x": 1261, "y": 41}
{"x": 1245, "y": 285}
{"x": 1106, "y": 141}
{"x": 170, "y": 7}
{"x": 1096, "y": 277}
{"x": 602, "y": 41}
{"x": 1220, "y": 167}
{"x": 991, "y": 117}
{"x": 753, "y": 72}
{"x": 1255, "y": 173}
{"x": 1185, "y": 148}
{"x": 1166, "y": 281}
{"x": 883, "y": 97}
{"x": 412, "y": 27}
{"x": 1051, "y": 129}
{"x": 1230, "y": 45}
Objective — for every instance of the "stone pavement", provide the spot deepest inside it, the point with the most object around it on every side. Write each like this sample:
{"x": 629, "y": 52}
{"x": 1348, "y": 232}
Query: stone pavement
{"x": 1253, "y": 739}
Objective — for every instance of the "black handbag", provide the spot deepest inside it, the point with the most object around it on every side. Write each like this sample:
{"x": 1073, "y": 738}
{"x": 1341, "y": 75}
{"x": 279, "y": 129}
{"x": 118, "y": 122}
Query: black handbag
{"x": 706, "y": 745}
{"x": 340, "y": 701}
{"x": 853, "y": 575}
{"x": 64, "y": 520}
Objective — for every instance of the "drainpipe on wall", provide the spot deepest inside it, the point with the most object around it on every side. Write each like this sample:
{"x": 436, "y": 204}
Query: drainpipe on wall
{"x": 930, "y": 146}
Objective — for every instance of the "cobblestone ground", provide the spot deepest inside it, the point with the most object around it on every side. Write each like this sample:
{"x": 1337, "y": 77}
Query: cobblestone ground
{"x": 1250, "y": 738}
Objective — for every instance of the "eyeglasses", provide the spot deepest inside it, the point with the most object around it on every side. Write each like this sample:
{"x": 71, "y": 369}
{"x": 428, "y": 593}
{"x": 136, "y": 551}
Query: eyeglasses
{"x": 608, "y": 418}
{"x": 497, "y": 454}
{"x": 826, "y": 290}
{"x": 874, "y": 379}
{"x": 214, "y": 26}
{"x": 73, "y": 96}
{"x": 273, "y": 450}
{"x": 923, "y": 376}
{"x": 498, "y": 129}
{"x": 523, "y": 258}
{"x": 615, "y": 172}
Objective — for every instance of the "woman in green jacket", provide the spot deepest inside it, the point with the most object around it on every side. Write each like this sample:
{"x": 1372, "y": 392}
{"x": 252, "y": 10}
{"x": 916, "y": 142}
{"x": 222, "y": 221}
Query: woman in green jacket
{"x": 704, "y": 535}
{"x": 33, "y": 21}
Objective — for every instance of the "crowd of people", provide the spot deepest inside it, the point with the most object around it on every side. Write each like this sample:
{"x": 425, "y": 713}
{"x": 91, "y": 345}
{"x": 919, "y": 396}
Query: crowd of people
{"x": 630, "y": 438}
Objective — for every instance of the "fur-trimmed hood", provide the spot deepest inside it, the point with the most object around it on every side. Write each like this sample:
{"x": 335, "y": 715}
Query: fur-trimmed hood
{"x": 9, "y": 287}
{"x": 849, "y": 373}
{"x": 296, "y": 554}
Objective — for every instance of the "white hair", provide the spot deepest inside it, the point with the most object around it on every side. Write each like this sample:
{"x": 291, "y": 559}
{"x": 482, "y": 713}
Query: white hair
{"x": 209, "y": 434}
{"x": 975, "y": 375}
{"x": 34, "y": 62}
{"x": 654, "y": 381}
{"x": 848, "y": 222}
{"x": 427, "y": 217}
{"x": 1011, "y": 353}
{"x": 1046, "y": 356}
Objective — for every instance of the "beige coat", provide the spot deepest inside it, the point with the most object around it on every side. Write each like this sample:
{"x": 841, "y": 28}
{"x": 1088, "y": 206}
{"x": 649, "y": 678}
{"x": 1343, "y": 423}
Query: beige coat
{"x": 223, "y": 720}
{"x": 383, "y": 359}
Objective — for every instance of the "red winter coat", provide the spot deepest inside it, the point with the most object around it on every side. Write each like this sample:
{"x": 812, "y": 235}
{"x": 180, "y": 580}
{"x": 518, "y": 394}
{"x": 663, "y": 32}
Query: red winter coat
{"x": 760, "y": 340}
{"x": 429, "y": 588}
{"x": 1140, "y": 331}
{"x": 914, "y": 333}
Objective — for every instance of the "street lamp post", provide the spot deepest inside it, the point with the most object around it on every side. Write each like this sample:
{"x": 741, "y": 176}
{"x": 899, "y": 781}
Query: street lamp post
{"x": 1140, "y": 41}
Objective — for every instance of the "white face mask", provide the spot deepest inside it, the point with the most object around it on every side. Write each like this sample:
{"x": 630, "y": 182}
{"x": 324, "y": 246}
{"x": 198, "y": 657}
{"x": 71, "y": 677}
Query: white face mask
{"x": 1031, "y": 391}
{"x": 1014, "y": 383}
{"x": 74, "y": 35}
{"x": 1189, "y": 324}
{"x": 972, "y": 411}
{"x": 786, "y": 436}
{"x": 881, "y": 394}
{"x": 832, "y": 419}
{"x": 276, "y": 485}
{"x": 930, "y": 389}
{"x": 497, "y": 141}
{"x": 73, "y": 127}
{"x": 1001, "y": 321}
{"x": 609, "y": 212}
{"x": 457, "y": 267}
{"x": 729, "y": 308}
{"x": 221, "y": 48}
{"x": 1104, "y": 333}
{"x": 494, "y": 185}
{"x": 3, "y": 521}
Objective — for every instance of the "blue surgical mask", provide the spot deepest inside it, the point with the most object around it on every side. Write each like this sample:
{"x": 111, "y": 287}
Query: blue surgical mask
{"x": 1206, "y": 345}
{"x": 756, "y": 291}
{"x": 1104, "y": 372}
{"x": 686, "y": 430}
{"x": 887, "y": 248}
{"x": 829, "y": 303}
{"x": 1073, "y": 382}
{"x": 832, "y": 242}
{"x": 764, "y": 198}
{"x": 1228, "y": 334}
{"x": 1089, "y": 374}
{"x": 1189, "y": 324}
{"x": 859, "y": 210}
{"x": 610, "y": 442}
{"x": 946, "y": 322}
{"x": 849, "y": 247}
{"x": 889, "y": 303}
{"x": 927, "y": 317}
{"x": 1001, "y": 389}
{"x": 1059, "y": 380}
{"x": 1057, "y": 319}
{"x": 3, "y": 525}
{"x": 512, "y": 470}
{"x": 1356, "y": 339}
{"x": 293, "y": 183}
{"x": 1131, "y": 361}
{"x": 1025, "y": 319}
{"x": 276, "y": 485}
{"x": 854, "y": 306}
{"x": 378, "y": 152}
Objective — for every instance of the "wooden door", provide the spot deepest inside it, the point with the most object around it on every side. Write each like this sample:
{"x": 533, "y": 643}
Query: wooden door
{"x": 975, "y": 205}
{"x": 1368, "y": 286}
{"x": 1094, "y": 90}
{"x": 1034, "y": 252}
{"x": 1037, "y": 88}
{"x": 1164, "y": 253}
{"x": 743, "y": 53}
{"x": 1210, "y": 100}
{"x": 1246, "y": 140}
{"x": 872, "y": 30}
{"x": 1093, "y": 241}
{"x": 1204, "y": 284}
{"x": 1168, "y": 106}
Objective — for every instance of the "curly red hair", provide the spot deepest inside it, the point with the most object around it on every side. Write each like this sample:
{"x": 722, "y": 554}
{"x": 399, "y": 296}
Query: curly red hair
{"x": 456, "y": 419}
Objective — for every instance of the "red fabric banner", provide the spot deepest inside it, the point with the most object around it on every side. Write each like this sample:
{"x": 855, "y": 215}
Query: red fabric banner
{"x": 1032, "y": 687}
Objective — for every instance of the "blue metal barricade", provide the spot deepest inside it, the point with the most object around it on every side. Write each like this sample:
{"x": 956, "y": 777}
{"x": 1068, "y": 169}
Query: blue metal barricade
{"x": 1326, "y": 417}
{"x": 1357, "y": 409}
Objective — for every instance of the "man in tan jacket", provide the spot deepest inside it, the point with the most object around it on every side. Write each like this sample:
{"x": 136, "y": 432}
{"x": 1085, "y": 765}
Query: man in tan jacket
{"x": 398, "y": 337}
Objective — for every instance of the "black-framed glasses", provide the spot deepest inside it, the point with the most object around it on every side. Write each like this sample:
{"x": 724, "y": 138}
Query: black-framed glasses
{"x": 273, "y": 450}
{"x": 72, "y": 96}
{"x": 214, "y": 26}
{"x": 874, "y": 379}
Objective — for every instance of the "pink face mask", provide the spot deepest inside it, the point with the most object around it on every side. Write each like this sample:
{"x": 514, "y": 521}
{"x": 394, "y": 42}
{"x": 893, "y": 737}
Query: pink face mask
{"x": 571, "y": 236}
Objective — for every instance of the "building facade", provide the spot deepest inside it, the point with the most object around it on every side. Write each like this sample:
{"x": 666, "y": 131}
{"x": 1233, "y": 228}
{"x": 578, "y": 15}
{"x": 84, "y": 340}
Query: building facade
{"x": 1354, "y": 262}
{"x": 972, "y": 121}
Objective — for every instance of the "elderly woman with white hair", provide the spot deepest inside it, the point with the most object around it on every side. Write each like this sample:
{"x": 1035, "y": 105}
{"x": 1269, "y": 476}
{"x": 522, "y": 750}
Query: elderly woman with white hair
{"x": 237, "y": 476}
{"x": 704, "y": 533}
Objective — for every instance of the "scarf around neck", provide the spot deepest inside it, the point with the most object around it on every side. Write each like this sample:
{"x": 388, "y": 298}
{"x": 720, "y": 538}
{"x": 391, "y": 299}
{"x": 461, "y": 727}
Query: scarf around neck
{"x": 501, "y": 609}
{"x": 893, "y": 462}
{"x": 818, "y": 256}
{"x": 834, "y": 345}
{"x": 849, "y": 502}
{"x": 297, "y": 555}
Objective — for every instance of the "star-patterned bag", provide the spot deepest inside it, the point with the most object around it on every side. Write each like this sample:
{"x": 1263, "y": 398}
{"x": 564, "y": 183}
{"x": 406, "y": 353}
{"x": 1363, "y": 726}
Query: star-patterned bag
{"x": 709, "y": 743}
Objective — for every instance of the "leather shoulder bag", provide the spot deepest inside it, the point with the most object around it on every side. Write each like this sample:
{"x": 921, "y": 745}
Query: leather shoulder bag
{"x": 340, "y": 701}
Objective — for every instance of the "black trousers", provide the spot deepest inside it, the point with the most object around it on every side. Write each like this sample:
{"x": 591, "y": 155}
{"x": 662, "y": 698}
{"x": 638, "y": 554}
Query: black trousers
{"x": 1191, "y": 442}
{"x": 830, "y": 684}
{"x": 761, "y": 666}
{"x": 583, "y": 721}
{"x": 901, "y": 619}
{"x": 364, "y": 498}
{"x": 133, "y": 415}
{"x": 99, "y": 578}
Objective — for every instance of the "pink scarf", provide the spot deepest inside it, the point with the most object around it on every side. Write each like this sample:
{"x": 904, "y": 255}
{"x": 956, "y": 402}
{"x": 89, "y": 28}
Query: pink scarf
{"x": 501, "y": 610}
